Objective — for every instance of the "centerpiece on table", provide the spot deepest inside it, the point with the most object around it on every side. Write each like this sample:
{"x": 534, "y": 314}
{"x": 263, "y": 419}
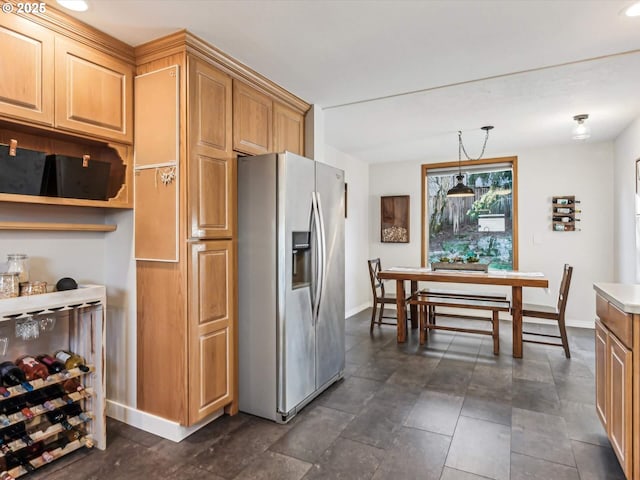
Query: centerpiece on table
{"x": 471, "y": 263}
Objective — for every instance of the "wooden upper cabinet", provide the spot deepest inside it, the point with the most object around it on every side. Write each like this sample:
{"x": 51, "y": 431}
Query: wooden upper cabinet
{"x": 209, "y": 109}
{"x": 252, "y": 120}
{"x": 211, "y": 190}
{"x": 26, "y": 70}
{"x": 94, "y": 92}
{"x": 288, "y": 130}
{"x": 211, "y": 328}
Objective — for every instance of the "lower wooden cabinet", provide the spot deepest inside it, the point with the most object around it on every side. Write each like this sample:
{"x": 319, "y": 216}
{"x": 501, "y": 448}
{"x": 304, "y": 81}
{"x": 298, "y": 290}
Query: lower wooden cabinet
{"x": 615, "y": 384}
{"x": 211, "y": 329}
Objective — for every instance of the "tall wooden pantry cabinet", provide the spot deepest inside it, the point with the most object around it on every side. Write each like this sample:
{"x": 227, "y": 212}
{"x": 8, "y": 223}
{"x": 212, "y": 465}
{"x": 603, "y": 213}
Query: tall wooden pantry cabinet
{"x": 185, "y": 220}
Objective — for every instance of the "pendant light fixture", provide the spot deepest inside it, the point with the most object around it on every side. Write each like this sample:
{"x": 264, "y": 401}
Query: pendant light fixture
{"x": 462, "y": 190}
{"x": 581, "y": 131}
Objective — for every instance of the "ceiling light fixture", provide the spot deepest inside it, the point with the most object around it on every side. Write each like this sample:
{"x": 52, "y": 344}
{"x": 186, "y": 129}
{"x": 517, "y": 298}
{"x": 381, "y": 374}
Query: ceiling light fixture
{"x": 75, "y": 5}
{"x": 633, "y": 10}
{"x": 462, "y": 190}
{"x": 581, "y": 131}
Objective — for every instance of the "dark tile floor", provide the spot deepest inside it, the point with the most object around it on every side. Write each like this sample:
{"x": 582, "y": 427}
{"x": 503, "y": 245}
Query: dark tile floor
{"x": 450, "y": 411}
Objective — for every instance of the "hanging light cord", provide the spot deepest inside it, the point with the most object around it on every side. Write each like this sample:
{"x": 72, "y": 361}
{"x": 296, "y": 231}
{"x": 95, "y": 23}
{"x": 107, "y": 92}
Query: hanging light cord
{"x": 462, "y": 149}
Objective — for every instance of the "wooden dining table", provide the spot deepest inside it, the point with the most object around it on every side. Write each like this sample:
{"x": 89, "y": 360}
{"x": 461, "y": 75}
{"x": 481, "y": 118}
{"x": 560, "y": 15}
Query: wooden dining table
{"x": 514, "y": 279}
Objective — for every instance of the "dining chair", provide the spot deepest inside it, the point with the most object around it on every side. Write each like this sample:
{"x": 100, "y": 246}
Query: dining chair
{"x": 555, "y": 313}
{"x": 380, "y": 297}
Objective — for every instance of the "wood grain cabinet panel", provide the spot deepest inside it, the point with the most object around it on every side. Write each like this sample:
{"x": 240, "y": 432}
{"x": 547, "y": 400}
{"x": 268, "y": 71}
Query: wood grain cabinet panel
{"x": 210, "y": 110}
{"x": 616, "y": 403}
{"x": 94, "y": 92}
{"x": 211, "y": 327}
{"x": 619, "y": 413}
{"x": 252, "y": 120}
{"x": 601, "y": 373}
{"x": 288, "y": 128}
{"x": 211, "y": 197}
{"x": 26, "y": 70}
{"x": 211, "y": 188}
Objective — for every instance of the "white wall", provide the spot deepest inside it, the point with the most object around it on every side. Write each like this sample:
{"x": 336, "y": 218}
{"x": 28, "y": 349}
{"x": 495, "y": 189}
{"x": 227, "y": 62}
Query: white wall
{"x": 357, "y": 286}
{"x": 581, "y": 169}
{"x": 88, "y": 257}
{"x": 626, "y": 243}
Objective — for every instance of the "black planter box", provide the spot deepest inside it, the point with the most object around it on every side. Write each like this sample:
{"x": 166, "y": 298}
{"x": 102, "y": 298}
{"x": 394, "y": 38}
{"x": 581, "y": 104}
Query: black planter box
{"x": 21, "y": 173}
{"x": 73, "y": 177}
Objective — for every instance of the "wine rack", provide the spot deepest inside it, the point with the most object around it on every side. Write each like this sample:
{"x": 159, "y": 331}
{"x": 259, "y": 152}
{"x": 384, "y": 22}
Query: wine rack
{"x": 564, "y": 213}
{"x": 80, "y": 317}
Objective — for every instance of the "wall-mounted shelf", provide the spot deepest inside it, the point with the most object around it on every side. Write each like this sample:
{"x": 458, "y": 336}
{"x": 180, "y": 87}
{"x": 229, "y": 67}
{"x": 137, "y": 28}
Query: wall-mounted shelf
{"x": 58, "y": 227}
{"x": 564, "y": 211}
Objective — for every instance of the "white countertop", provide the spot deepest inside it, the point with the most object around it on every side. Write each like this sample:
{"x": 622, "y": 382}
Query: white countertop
{"x": 624, "y": 296}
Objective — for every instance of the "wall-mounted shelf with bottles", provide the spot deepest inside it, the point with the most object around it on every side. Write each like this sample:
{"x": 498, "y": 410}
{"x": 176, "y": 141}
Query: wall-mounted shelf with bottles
{"x": 564, "y": 213}
{"x": 58, "y": 411}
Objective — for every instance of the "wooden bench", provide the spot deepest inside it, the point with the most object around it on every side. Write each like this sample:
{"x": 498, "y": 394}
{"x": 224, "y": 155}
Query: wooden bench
{"x": 428, "y": 300}
{"x": 461, "y": 294}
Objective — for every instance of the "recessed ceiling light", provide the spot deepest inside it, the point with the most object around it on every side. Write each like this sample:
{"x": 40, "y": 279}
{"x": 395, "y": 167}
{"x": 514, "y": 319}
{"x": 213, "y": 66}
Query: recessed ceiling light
{"x": 75, "y": 5}
{"x": 633, "y": 10}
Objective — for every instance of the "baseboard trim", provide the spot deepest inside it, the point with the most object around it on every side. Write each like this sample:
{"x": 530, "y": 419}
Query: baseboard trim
{"x": 358, "y": 309}
{"x": 153, "y": 424}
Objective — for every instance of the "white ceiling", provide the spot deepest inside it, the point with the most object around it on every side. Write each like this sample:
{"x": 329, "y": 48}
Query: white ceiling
{"x": 525, "y": 66}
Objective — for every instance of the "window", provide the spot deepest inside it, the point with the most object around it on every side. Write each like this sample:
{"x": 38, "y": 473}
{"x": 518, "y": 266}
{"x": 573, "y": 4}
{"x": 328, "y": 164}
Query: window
{"x": 481, "y": 228}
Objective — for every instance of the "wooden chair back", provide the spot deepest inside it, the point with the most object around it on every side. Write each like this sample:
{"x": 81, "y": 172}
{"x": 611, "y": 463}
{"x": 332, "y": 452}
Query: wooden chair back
{"x": 564, "y": 289}
{"x": 376, "y": 283}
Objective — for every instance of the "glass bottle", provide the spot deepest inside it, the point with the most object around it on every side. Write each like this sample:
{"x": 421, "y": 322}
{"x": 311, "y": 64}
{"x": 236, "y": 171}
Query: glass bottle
{"x": 32, "y": 368}
{"x": 12, "y": 375}
{"x": 53, "y": 365}
{"x": 19, "y": 263}
{"x": 71, "y": 360}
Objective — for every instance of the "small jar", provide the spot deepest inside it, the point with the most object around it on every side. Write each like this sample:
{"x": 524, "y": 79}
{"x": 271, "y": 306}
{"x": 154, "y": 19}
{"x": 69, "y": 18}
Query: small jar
{"x": 9, "y": 285}
{"x": 19, "y": 263}
{"x": 32, "y": 288}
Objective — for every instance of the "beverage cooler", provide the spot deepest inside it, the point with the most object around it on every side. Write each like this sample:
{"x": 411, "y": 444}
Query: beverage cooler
{"x": 51, "y": 366}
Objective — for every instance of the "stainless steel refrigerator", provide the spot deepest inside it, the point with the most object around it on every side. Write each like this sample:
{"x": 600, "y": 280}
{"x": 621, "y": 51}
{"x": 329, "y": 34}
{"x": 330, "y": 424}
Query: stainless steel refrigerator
{"x": 291, "y": 282}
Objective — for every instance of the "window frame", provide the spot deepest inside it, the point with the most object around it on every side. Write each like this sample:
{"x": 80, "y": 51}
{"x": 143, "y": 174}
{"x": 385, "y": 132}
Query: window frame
{"x": 424, "y": 248}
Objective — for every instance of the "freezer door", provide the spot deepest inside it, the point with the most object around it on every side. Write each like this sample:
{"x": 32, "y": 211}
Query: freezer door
{"x": 330, "y": 356}
{"x": 296, "y": 355}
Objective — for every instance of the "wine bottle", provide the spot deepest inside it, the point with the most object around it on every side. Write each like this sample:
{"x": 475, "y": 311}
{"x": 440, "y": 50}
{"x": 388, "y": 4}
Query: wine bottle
{"x": 32, "y": 368}
{"x": 17, "y": 431}
{"x": 564, "y": 210}
{"x": 58, "y": 416}
{"x": 5, "y": 393}
{"x": 12, "y": 375}
{"x": 53, "y": 365}
{"x": 71, "y": 360}
{"x": 72, "y": 385}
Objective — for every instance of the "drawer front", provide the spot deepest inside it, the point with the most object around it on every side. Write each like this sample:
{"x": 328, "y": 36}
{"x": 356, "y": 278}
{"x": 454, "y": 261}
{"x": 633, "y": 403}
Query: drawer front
{"x": 602, "y": 307}
{"x": 615, "y": 320}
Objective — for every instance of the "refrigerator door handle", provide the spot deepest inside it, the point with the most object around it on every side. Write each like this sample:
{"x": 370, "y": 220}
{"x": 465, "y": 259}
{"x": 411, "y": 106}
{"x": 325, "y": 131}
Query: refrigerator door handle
{"x": 323, "y": 252}
{"x": 319, "y": 258}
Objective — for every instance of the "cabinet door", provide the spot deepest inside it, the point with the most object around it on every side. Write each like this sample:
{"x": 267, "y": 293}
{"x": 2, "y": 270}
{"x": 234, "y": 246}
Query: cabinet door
{"x": 252, "y": 120}
{"x": 212, "y": 313}
{"x": 94, "y": 92}
{"x": 619, "y": 413}
{"x": 26, "y": 70}
{"x": 212, "y": 183}
{"x": 288, "y": 128}
{"x": 601, "y": 373}
{"x": 209, "y": 110}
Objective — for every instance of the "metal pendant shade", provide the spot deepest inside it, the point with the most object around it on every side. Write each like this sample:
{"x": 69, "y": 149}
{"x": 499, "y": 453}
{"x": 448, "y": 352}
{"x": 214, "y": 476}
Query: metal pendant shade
{"x": 460, "y": 189}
